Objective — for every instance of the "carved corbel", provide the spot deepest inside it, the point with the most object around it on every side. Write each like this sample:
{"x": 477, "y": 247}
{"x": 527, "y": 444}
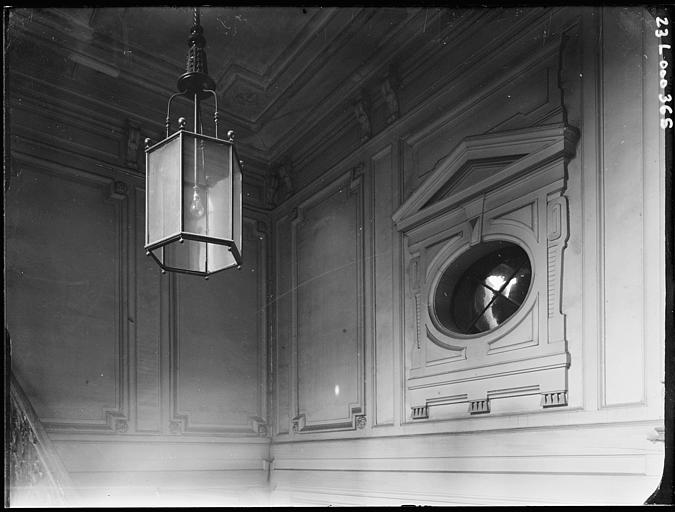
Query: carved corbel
{"x": 272, "y": 183}
{"x": 132, "y": 143}
{"x": 286, "y": 181}
{"x": 357, "y": 171}
{"x": 388, "y": 89}
{"x": 556, "y": 221}
{"x": 361, "y": 107}
{"x": 278, "y": 184}
{"x": 356, "y": 176}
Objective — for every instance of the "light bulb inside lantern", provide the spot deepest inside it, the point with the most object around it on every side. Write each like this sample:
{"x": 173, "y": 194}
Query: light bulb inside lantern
{"x": 197, "y": 207}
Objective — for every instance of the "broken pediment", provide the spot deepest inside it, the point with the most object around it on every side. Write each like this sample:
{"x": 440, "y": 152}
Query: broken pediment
{"x": 482, "y": 163}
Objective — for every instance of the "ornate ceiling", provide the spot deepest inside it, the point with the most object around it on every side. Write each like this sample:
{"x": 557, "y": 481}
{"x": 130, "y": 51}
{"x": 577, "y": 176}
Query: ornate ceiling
{"x": 279, "y": 71}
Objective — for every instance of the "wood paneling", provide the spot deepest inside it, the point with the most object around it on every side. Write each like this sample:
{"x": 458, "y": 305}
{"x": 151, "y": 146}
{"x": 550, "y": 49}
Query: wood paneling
{"x": 384, "y": 181}
{"x": 147, "y": 320}
{"x": 99, "y": 337}
{"x": 283, "y": 387}
{"x": 65, "y": 245}
{"x": 622, "y": 228}
{"x": 327, "y": 259}
{"x": 218, "y": 381}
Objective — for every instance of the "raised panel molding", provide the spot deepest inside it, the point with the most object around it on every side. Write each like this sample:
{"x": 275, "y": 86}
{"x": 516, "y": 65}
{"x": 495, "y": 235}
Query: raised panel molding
{"x": 313, "y": 230}
{"x": 112, "y": 195}
{"x": 522, "y": 202}
{"x": 244, "y": 418}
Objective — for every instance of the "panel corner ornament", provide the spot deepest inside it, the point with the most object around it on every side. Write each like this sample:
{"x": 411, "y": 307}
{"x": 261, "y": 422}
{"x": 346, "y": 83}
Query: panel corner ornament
{"x": 259, "y": 425}
{"x": 176, "y": 427}
{"x": 121, "y": 426}
{"x": 298, "y": 423}
{"x": 361, "y": 421}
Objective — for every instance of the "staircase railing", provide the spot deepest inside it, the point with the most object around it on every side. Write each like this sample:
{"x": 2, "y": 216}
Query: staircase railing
{"x": 37, "y": 477}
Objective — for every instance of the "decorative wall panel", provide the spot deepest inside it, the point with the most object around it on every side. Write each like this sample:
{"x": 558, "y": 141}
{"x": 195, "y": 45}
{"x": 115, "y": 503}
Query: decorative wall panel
{"x": 622, "y": 222}
{"x": 327, "y": 243}
{"x": 383, "y": 176}
{"x": 66, "y": 288}
{"x": 147, "y": 319}
{"x": 218, "y": 382}
{"x": 282, "y": 337}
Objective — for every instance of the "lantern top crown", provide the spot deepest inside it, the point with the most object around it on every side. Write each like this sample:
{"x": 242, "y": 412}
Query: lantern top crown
{"x": 196, "y": 79}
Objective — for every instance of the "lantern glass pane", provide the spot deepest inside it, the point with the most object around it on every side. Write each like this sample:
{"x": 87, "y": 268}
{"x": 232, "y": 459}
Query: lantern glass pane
{"x": 163, "y": 190}
{"x": 236, "y": 200}
{"x": 219, "y": 257}
{"x": 195, "y": 256}
{"x": 207, "y": 187}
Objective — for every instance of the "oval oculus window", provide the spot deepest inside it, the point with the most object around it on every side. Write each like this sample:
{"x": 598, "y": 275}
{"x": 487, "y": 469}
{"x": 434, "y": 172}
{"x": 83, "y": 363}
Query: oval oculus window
{"x": 483, "y": 288}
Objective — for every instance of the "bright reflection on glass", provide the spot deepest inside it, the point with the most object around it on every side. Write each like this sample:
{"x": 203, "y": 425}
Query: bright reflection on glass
{"x": 484, "y": 287}
{"x": 337, "y": 390}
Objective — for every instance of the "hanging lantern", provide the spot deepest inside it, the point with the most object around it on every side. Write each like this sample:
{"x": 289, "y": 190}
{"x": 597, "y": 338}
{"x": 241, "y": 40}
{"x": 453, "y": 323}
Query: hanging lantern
{"x": 193, "y": 183}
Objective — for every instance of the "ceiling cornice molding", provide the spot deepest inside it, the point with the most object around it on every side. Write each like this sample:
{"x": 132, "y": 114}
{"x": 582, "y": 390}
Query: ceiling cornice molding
{"x": 263, "y": 80}
{"x": 154, "y": 77}
{"x": 404, "y": 127}
{"x": 487, "y": 55}
{"x": 312, "y": 66}
{"x": 335, "y": 100}
{"x": 67, "y": 99}
{"x": 288, "y": 123}
{"x": 451, "y": 35}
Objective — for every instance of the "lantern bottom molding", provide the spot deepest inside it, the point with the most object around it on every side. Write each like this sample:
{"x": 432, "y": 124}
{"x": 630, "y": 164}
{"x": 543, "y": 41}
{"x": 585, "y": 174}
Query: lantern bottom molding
{"x": 189, "y": 253}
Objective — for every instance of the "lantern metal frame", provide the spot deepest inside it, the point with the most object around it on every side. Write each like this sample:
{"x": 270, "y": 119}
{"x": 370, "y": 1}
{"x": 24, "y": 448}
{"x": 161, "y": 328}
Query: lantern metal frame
{"x": 196, "y": 85}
